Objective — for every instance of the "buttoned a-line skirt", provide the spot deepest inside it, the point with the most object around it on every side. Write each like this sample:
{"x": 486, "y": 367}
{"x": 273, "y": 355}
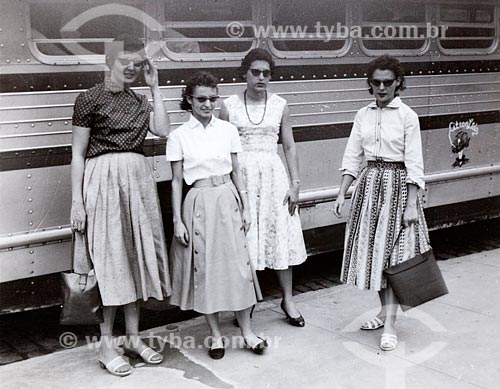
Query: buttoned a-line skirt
{"x": 214, "y": 272}
{"x": 373, "y": 241}
{"x": 124, "y": 229}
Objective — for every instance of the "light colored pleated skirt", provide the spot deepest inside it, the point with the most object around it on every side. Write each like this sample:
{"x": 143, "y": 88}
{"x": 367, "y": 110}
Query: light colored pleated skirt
{"x": 124, "y": 229}
{"x": 214, "y": 272}
{"x": 374, "y": 222}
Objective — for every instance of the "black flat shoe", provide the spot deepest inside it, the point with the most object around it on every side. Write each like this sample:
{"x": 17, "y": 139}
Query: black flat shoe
{"x": 294, "y": 321}
{"x": 217, "y": 353}
{"x": 258, "y": 348}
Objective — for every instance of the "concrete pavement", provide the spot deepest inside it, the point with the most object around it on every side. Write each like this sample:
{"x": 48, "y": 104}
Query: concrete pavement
{"x": 449, "y": 343}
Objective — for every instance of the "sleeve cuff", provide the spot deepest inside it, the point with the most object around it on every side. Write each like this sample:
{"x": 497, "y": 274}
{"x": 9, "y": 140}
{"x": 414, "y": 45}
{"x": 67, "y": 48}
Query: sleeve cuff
{"x": 350, "y": 172}
{"x": 419, "y": 183}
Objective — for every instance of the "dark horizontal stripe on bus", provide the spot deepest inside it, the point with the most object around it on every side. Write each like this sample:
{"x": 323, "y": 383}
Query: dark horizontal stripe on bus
{"x": 55, "y": 156}
{"x": 31, "y": 82}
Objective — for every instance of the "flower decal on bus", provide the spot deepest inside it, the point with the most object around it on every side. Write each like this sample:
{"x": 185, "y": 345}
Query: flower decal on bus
{"x": 460, "y": 135}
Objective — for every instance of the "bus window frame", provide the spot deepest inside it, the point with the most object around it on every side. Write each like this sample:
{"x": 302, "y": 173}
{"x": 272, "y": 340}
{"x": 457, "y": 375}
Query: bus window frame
{"x": 495, "y": 25}
{"x": 297, "y": 54}
{"x": 94, "y": 59}
{"x": 206, "y": 56}
{"x": 396, "y": 52}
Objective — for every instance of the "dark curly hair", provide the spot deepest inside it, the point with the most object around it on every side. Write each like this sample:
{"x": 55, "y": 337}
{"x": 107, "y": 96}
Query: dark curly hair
{"x": 386, "y": 62}
{"x": 197, "y": 79}
{"x": 123, "y": 42}
{"x": 257, "y": 54}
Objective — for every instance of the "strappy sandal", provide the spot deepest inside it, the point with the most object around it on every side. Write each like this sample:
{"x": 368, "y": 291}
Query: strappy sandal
{"x": 113, "y": 366}
{"x": 373, "y": 324}
{"x": 147, "y": 355}
{"x": 388, "y": 342}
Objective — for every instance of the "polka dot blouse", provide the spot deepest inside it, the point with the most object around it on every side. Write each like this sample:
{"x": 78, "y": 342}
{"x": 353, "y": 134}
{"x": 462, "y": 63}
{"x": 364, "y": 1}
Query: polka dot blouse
{"x": 118, "y": 119}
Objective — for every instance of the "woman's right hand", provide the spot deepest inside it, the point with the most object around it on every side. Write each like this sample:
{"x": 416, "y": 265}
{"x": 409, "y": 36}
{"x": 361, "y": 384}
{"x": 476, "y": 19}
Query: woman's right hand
{"x": 78, "y": 217}
{"x": 338, "y": 205}
{"x": 181, "y": 234}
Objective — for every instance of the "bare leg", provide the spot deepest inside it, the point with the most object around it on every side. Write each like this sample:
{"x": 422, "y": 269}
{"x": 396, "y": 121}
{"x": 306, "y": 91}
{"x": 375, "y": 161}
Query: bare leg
{"x": 213, "y": 323}
{"x": 389, "y": 308}
{"x": 285, "y": 278}
{"x": 134, "y": 342}
{"x": 107, "y": 349}
{"x": 243, "y": 318}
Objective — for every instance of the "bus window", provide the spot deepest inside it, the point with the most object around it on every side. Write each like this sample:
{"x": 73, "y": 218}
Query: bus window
{"x": 307, "y": 29}
{"x": 472, "y": 29}
{"x": 76, "y": 31}
{"x": 393, "y": 27}
{"x": 207, "y": 29}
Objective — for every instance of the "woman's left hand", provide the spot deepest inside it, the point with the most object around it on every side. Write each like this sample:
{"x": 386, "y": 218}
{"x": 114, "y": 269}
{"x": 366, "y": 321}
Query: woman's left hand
{"x": 150, "y": 73}
{"x": 410, "y": 215}
{"x": 246, "y": 220}
{"x": 292, "y": 198}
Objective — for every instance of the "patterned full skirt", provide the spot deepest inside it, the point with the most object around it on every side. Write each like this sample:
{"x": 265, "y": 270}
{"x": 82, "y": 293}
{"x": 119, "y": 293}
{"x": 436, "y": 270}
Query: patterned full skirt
{"x": 124, "y": 229}
{"x": 373, "y": 241}
{"x": 275, "y": 238}
{"x": 214, "y": 272}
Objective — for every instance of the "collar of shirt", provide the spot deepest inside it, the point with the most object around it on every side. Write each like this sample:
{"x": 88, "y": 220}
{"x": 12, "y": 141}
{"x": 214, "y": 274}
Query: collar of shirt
{"x": 195, "y": 123}
{"x": 113, "y": 87}
{"x": 395, "y": 103}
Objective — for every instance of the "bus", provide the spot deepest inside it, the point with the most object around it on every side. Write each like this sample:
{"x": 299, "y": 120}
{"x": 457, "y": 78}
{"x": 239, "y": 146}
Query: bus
{"x": 51, "y": 50}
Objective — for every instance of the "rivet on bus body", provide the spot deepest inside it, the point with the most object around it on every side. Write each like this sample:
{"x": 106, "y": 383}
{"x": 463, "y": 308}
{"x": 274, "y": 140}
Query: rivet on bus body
{"x": 222, "y": 79}
{"x": 22, "y": 45}
{"x": 32, "y": 251}
{"x": 33, "y": 152}
{"x": 8, "y": 61}
{"x": 32, "y": 124}
{"x": 21, "y": 29}
{"x": 303, "y": 76}
{"x": 2, "y": 45}
{"x": 158, "y": 160}
{"x": 324, "y": 75}
{"x": 17, "y": 153}
{"x": 28, "y": 163}
{"x": 28, "y": 60}
{"x": 314, "y": 75}
{"x": 157, "y": 176}
{"x": 16, "y": 125}
{"x": 10, "y": 248}
{"x": 155, "y": 168}
{"x": 281, "y": 77}
{"x": 30, "y": 211}
{"x": 18, "y": 60}
{"x": 1, "y": 29}
{"x": 29, "y": 188}
{"x": 30, "y": 200}
{"x": 28, "y": 176}
{"x": 49, "y": 123}
{"x": 65, "y": 123}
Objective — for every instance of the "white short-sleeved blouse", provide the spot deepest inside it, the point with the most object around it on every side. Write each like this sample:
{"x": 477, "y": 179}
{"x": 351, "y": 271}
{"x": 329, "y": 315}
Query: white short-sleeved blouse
{"x": 204, "y": 151}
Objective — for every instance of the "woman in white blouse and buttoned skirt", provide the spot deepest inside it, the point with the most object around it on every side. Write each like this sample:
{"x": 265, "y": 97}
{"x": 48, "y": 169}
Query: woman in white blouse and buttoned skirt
{"x": 386, "y": 223}
{"x": 211, "y": 269}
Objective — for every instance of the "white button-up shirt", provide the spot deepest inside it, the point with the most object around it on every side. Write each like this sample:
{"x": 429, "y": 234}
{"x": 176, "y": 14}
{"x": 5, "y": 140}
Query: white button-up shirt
{"x": 204, "y": 151}
{"x": 391, "y": 134}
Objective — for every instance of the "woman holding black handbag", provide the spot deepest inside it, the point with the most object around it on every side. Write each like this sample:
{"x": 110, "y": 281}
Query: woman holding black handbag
{"x": 115, "y": 203}
{"x": 386, "y": 223}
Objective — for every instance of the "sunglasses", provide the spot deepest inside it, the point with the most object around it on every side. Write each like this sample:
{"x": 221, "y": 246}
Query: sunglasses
{"x": 387, "y": 83}
{"x": 126, "y": 61}
{"x": 257, "y": 72}
{"x": 203, "y": 99}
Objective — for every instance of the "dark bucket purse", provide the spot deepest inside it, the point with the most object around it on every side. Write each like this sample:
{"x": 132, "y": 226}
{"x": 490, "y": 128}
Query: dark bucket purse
{"x": 416, "y": 280}
{"x": 81, "y": 298}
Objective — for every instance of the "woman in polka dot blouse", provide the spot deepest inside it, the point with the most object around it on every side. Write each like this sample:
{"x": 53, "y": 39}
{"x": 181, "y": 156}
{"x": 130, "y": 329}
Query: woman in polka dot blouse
{"x": 114, "y": 199}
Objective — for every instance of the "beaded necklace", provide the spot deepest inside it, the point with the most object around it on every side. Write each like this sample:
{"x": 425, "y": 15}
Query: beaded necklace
{"x": 246, "y": 109}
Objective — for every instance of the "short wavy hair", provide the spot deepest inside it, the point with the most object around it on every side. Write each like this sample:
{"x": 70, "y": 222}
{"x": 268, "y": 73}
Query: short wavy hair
{"x": 257, "y": 54}
{"x": 198, "y": 79}
{"x": 386, "y": 62}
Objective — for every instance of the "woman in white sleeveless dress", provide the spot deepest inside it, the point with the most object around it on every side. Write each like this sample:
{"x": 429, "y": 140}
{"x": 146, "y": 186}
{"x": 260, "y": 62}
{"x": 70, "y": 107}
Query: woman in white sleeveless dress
{"x": 275, "y": 238}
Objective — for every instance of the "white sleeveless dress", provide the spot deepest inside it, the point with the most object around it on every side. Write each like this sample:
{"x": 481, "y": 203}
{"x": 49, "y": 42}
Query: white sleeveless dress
{"x": 275, "y": 238}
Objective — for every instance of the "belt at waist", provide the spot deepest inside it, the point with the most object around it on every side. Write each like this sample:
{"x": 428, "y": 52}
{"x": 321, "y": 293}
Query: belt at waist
{"x": 386, "y": 164}
{"x": 212, "y": 181}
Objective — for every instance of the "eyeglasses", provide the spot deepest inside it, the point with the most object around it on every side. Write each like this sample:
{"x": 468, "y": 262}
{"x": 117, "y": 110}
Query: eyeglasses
{"x": 126, "y": 61}
{"x": 257, "y": 72}
{"x": 387, "y": 83}
{"x": 203, "y": 99}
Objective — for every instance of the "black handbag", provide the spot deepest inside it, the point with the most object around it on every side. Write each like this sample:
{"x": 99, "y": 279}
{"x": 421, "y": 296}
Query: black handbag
{"x": 81, "y": 298}
{"x": 416, "y": 280}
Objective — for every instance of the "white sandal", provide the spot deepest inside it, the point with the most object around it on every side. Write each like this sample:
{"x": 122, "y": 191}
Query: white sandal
{"x": 373, "y": 324}
{"x": 113, "y": 366}
{"x": 388, "y": 342}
